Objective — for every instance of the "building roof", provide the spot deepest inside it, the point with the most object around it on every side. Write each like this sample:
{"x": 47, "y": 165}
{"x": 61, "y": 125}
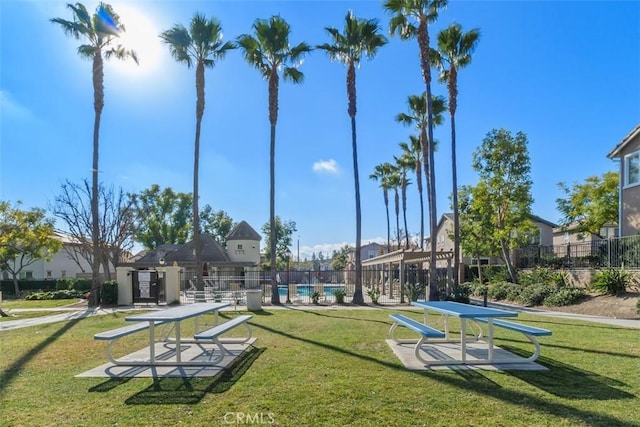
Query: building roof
{"x": 536, "y": 218}
{"x": 243, "y": 231}
{"x": 630, "y": 136}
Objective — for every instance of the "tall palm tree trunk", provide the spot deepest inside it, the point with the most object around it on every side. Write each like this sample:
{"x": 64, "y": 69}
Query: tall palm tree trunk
{"x": 386, "y": 205}
{"x": 196, "y": 167}
{"x": 397, "y": 205}
{"x": 98, "y": 105}
{"x": 456, "y": 213}
{"x": 419, "y": 183}
{"x": 423, "y": 42}
{"x": 273, "y": 119}
{"x": 404, "y": 212}
{"x": 358, "y": 297}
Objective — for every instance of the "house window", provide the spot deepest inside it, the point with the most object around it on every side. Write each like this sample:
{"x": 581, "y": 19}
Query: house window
{"x": 239, "y": 246}
{"x": 371, "y": 254}
{"x": 26, "y": 275}
{"x": 63, "y": 273}
{"x": 49, "y": 274}
{"x": 632, "y": 169}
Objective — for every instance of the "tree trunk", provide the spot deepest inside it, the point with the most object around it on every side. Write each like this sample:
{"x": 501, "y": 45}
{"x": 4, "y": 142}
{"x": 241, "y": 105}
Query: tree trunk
{"x": 196, "y": 166}
{"x": 423, "y": 43}
{"x": 397, "y": 206}
{"x": 404, "y": 212}
{"x": 419, "y": 184}
{"x": 98, "y": 105}
{"x": 456, "y": 213}
{"x": 358, "y": 297}
{"x": 507, "y": 260}
{"x": 273, "y": 119}
{"x": 386, "y": 204}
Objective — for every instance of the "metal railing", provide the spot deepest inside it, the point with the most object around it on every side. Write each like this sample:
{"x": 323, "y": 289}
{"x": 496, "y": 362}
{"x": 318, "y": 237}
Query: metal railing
{"x": 619, "y": 252}
{"x": 299, "y": 286}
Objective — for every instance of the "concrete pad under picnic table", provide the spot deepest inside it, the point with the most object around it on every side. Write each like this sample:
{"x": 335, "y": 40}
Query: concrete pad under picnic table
{"x": 190, "y": 352}
{"x": 405, "y": 351}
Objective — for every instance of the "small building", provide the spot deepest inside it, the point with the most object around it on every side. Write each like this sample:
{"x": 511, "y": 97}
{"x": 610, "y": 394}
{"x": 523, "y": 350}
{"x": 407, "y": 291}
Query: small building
{"x": 627, "y": 152}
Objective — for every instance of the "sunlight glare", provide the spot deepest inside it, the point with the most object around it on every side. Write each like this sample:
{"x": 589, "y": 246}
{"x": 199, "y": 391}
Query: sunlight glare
{"x": 142, "y": 36}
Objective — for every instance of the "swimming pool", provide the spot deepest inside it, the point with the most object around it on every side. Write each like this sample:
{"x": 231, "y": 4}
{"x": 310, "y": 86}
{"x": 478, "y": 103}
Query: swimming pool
{"x": 306, "y": 290}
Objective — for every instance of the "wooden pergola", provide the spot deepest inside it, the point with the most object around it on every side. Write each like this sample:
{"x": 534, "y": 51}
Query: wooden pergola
{"x": 402, "y": 258}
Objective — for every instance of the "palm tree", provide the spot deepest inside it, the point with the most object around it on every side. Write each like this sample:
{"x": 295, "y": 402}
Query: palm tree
{"x": 395, "y": 182}
{"x": 361, "y": 36}
{"x": 200, "y": 45}
{"x": 412, "y": 152}
{"x": 404, "y": 164}
{"x": 381, "y": 173}
{"x": 423, "y": 12}
{"x": 418, "y": 117}
{"x": 268, "y": 50}
{"x": 99, "y": 32}
{"x": 454, "y": 48}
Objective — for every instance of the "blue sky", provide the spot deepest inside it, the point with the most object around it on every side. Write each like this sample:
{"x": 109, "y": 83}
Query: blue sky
{"x": 566, "y": 73}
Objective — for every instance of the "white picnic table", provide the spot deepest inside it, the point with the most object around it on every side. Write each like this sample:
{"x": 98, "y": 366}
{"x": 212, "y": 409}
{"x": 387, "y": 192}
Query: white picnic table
{"x": 174, "y": 315}
{"x": 464, "y": 312}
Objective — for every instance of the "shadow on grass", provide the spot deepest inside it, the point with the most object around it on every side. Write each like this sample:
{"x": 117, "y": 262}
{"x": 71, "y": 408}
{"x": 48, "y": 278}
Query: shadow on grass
{"x": 181, "y": 391}
{"x": 569, "y": 382}
{"x": 13, "y": 370}
{"x": 328, "y": 313}
{"x": 478, "y": 383}
{"x": 546, "y": 345}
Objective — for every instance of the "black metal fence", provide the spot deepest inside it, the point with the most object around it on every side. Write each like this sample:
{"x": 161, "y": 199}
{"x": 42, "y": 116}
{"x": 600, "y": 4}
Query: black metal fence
{"x": 620, "y": 252}
{"x": 308, "y": 286}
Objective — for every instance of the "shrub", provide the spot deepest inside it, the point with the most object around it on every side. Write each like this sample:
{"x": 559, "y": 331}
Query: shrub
{"x": 638, "y": 306}
{"x": 65, "y": 283}
{"x": 503, "y": 291}
{"x": 339, "y": 294}
{"x": 460, "y": 294}
{"x": 415, "y": 290}
{"x": 374, "y": 294}
{"x": 610, "y": 282}
{"x": 532, "y": 295}
{"x": 315, "y": 297}
{"x": 60, "y": 294}
{"x": 109, "y": 293}
{"x": 564, "y": 296}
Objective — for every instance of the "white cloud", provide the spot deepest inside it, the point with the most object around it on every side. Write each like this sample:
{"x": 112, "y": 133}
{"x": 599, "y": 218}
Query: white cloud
{"x": 329, "y": 166}
{"x": 11, "y": 108}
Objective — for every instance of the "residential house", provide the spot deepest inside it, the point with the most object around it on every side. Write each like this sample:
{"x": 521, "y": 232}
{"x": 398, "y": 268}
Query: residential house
{"x": 368, "y": 251}
{"x": 627, "y": 152}
{"x": 543, "y": 236}
{"x": 241, "y": 254}
{"x": 67, "y": 262}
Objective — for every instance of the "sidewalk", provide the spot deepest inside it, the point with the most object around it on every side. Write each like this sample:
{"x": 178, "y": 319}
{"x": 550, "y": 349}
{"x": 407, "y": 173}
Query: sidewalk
{"x": 70, "y": 313}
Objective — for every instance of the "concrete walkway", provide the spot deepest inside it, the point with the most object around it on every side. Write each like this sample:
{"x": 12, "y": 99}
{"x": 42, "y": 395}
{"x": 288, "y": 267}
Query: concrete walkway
{"x": 70, "y": 313}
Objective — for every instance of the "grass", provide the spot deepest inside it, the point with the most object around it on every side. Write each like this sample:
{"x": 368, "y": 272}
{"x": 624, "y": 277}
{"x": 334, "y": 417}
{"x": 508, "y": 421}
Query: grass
{"x": 323, "y": 367}
{"x": 38, "y": 306}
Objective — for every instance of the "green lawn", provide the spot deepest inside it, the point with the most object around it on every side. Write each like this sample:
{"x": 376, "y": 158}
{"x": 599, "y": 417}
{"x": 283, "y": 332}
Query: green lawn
{"x": 323, "y": 367}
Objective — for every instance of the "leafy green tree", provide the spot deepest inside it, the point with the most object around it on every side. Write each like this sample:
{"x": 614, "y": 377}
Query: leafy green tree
{"x": 284, "y": 239}
{"x": 406, "y": 14}
{"x": 26, "y": 236}
{"x": 200, "y": 45}
{"x": 475, "y": 224}
{"x": 381, "y": 173}
{"x": 418, "y": 116}
{"x": 591, "y": 204}
{"x": 100, "y": 31}
{"x": 161, "y": 216}
{"x": 340, "y": 258}
{"x": 217, "y": 223}
{"x": 454, "y": 52}
{"x": 360, "y": 37}
{"x": 269, "y": 51}
{"x": 504, "y": 191}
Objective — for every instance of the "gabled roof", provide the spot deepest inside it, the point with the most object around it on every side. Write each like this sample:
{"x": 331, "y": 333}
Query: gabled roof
{"x": 616, "y": 151}
{"x": 210, "y": 252}
{"x": 536, "y": 218}
{"x": 243, "y": 231}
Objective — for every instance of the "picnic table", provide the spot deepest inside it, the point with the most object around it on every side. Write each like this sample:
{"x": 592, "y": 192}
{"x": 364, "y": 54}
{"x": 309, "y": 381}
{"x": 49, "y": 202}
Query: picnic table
{"x": 173, "y": 318}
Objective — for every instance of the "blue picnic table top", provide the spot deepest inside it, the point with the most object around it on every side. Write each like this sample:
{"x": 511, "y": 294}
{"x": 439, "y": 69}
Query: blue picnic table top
{"x": 463, "y": 310}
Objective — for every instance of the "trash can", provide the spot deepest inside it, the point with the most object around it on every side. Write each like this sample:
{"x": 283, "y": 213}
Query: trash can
{"x": 254, "y": 299}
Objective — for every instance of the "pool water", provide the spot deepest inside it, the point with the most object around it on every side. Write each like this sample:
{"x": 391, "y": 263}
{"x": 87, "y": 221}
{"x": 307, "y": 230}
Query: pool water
{"x": 307, "y": 290}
